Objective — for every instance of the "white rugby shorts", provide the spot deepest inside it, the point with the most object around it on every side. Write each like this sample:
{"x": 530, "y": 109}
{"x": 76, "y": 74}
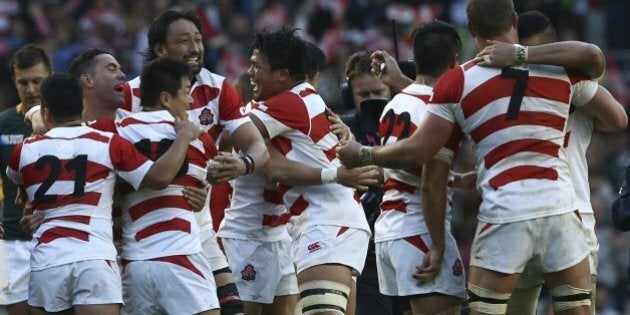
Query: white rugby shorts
{"x": 396, "y": 262}
{"x": 15, "y": 269}
{"x": 557, "y": 243}
{"x": 85, "y": 282}
{"x": 531, "y": 277}
{"x": 172, "y": 285}
{"x": 261, "y": 270}
{"x": 329, "y": 244}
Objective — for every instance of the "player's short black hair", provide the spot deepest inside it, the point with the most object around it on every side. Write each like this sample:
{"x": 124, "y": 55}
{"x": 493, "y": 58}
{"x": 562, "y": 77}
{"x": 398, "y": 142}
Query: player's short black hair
{"x": 62, "y": 95}
{"x": 534, "y": 22}
{"x": 159, "y": 28}
{"x": 284, "y": 49}
{"x": 314, "y": 60}
{"x": 161, "y": 75}
{"x": 84, "y": 61}
{"x": 435, "y": 46}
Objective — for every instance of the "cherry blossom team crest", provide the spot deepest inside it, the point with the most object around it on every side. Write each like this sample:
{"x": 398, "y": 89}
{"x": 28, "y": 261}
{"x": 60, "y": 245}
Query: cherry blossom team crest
{"x": 206, "y": 117}
{"x": 248, "y": 273}
{"x": 458, "y": 269}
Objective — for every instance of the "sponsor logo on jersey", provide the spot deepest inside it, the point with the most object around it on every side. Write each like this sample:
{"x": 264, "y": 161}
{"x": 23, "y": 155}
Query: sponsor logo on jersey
{"x": 313, "y": 247}
{"x": 248, "y": 273}
{"x": 206, "y": 117}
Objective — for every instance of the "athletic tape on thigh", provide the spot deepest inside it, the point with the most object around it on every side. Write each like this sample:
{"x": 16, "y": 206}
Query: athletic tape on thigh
{"x": 322, "y": 295}
{"x": 487, "y": 301}
{"x": 566, "y": 297}
{"x": 229, "y": 299}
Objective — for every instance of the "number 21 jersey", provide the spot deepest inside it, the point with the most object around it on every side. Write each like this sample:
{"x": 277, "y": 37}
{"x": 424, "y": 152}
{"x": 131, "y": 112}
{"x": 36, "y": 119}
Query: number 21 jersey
{"x": 69, "y": 175}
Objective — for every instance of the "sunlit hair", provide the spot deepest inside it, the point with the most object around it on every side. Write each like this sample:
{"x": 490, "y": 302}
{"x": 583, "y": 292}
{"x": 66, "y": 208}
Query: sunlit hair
{"x": 490, "y": 18}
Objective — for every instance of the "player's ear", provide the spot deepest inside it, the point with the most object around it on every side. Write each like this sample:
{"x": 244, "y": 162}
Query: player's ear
{"x": 46, "y": 115}
{"x": 454, "y": 62}
{"x": 165, "y": 99}
{"x": 471, "y": 30}
{"x": 283, "y": 75}
{"x": 86, "y": 80}
{"x": 514, "y": 18}
{"x": 158, "y": 49}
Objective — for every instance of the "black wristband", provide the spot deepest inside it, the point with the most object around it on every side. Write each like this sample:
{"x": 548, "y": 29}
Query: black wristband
{"x": 249, "y": 164}
{"x": 253, "y": 164}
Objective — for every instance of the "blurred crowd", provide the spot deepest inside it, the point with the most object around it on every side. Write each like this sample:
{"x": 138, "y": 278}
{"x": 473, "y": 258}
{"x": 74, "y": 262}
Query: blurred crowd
{"x": 340, "y": 28}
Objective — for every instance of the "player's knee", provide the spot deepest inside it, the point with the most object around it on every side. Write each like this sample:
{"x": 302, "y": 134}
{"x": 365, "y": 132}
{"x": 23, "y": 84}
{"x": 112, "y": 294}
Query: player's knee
{"x": 567, "y": 297}
{"x": 318, "y": 296}
{"x": 487, "y": 301}
{"x": 229, "y": 300}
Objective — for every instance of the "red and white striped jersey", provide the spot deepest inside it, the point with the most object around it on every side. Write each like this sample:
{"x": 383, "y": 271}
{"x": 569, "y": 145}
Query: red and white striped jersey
{"x": 297, "y": 124}
{"x": 516, "y": 118}
{"x": 579, "y": 131}
{"x": 257, "y": 211}
{"x": 159, "y": 223}
{"x": 401, "y": 208}
{"x": 216, "y": 106}
{"x": 69, "y": 175}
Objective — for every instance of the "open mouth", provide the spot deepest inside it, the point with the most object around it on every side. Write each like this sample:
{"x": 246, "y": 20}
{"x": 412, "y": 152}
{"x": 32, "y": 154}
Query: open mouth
{"x": 119, "y": 87}
{"x": 192, "y": 60}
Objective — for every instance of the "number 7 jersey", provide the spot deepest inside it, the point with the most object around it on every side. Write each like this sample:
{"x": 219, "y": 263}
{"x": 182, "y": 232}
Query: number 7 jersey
{"x": 69, "y": 175}
{"x": 516, "y": 118}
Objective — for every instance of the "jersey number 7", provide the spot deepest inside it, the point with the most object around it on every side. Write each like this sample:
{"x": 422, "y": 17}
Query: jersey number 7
{"x": 521, "y": 76}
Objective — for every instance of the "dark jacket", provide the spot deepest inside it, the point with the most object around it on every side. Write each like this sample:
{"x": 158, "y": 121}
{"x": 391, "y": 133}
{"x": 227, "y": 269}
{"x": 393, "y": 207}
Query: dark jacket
{"x": 621, "y": 206}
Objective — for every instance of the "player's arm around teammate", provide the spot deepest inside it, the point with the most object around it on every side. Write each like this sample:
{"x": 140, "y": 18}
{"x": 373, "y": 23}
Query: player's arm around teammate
{"x": 609, "y": 114}
{"x": 282, "y": 170}
{"x": 583, "y": 57}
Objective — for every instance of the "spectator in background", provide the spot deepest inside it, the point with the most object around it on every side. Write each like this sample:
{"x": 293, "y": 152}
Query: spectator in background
{"x": 362, "y": 85}
{"x": 621, "y": 221}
